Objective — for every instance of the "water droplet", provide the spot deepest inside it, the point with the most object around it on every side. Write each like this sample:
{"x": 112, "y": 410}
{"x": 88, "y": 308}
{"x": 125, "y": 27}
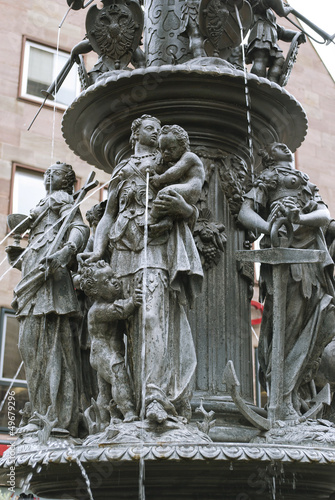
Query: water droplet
{"x": 39, "y": 468}
{"x": 231, "y": 466}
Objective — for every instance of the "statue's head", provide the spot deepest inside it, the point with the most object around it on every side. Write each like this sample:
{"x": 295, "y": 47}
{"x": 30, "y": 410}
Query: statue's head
{"x": 97, "y": 280}
{"x": 173, "y": 142}
{"x": 274, "y": 153}
{"x": 145, "y": 130}
{"x": 94, "y": 214}
{"x": 60, "y": 177}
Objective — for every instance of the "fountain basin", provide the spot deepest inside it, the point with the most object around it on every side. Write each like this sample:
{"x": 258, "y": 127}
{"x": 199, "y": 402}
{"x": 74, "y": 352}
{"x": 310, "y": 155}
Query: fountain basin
{"x": 208, "y": 101}
{"x": 183, "y": 471}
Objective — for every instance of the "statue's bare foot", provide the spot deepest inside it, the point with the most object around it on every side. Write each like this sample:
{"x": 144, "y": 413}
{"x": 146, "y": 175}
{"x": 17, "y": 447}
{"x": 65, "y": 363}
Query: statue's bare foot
{"x": 28, "y": 429}
{"x": 129, "y": 417}
{"x": 156, "y": 413}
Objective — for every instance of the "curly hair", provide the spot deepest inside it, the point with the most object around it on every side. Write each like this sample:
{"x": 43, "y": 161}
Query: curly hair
{"x": 94, "y": 214}
{"x": 69, "y": 178}
{"x": 180, "y": 134}
{"x": 88, "y": 282}
{"x": 136, "y": 125}
{"x": 266, "y": 154}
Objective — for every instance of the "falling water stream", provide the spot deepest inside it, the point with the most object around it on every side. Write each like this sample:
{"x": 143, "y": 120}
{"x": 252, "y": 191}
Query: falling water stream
{"x": 247, "y": 95}
{"x": 10, "y": 386}
{"x": 85, "y": 477}
{"x": 143, "y": 336}
{"x": 55, "y": 100}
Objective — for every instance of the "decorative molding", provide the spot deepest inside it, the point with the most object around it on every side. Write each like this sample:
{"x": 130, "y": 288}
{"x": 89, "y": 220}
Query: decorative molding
{"x": 234, "y": 176}
{"x": 214, "y": 451}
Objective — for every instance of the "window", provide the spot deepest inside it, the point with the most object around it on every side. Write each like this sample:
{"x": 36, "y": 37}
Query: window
{"x": 41, "y": 66}
{"x": 10, "y": 361}
{"x": 27, "y": 189}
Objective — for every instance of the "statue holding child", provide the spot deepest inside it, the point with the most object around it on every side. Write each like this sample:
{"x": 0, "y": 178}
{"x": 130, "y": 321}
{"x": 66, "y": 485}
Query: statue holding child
{"x": 170, "y": 260}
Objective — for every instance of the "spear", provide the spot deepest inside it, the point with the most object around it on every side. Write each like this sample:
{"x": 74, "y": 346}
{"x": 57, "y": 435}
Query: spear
{"x": 51, "y": 92}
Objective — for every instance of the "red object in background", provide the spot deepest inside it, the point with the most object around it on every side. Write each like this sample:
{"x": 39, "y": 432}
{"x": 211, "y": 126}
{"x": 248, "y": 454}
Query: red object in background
{"x": 260, "y": 307}
{"x": 3, "y": 448}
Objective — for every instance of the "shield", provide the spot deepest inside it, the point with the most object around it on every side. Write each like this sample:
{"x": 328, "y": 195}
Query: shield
{"x": 218, "y": 22}
{"x": 115, "y": 31}
{"x": 290, "y": 61}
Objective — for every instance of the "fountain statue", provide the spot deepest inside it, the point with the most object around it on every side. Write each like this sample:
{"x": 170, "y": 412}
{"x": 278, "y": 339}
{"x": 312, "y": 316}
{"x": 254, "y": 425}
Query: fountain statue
{"x": 200, "y": 152}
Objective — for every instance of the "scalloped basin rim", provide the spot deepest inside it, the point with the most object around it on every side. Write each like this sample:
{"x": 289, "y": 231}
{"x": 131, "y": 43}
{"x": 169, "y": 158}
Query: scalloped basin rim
{"x": 96, "y": 126}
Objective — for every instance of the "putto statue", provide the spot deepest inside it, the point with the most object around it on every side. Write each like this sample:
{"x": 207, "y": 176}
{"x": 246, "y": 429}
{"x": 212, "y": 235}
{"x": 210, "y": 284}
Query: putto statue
{"x": 106, "y": 335}
{"x": 287, "y": 209}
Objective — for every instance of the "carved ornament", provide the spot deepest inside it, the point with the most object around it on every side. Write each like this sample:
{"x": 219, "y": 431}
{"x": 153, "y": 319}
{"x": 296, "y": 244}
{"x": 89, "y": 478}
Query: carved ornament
{"x": 115, "y": 31}
{"x": 172, "y": 451}
{"x": 233, "y": 173}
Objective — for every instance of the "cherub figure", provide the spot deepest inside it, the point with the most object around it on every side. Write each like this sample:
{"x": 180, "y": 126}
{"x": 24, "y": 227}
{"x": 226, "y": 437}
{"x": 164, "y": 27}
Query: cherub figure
{"x": 107, "y": 346}
{"x": 180, "y": 170}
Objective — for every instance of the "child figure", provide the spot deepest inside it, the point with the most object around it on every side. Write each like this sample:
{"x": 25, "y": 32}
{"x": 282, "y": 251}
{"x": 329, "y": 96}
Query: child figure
{"x": 181, "y": 171}
{"x": 107, "y": 345}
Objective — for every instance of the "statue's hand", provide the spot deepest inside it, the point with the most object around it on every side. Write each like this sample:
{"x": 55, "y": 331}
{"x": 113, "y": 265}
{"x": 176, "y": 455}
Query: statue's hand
{"x": 287, "y": 10}
{"x": 292, "y": 211}
{"x": 87, "y": 258}
{"x": 138, "y": 297}
{"x": 59, "y": 259}
{"x": 172, "y": 203}
{"x": 302, "y": 38}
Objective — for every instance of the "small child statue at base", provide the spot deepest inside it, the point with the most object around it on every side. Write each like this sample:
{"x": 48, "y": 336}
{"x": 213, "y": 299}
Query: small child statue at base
{"x": 107, "y": 346}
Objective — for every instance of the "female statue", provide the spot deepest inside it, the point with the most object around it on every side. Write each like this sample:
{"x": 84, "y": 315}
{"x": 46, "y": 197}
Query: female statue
{"x": 47, "y": 306}
{"x": 281, "y": 191}
{"x": 162, "y": 354}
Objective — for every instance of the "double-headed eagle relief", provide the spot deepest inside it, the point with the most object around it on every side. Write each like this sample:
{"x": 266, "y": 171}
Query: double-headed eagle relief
{"x": 115, "y": 31}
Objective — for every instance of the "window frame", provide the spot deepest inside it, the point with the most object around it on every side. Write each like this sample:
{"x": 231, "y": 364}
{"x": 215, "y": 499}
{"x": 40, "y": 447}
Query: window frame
{"x": 15, "y": 166}
{"x": 22, "y": 96}
{"x": 6, "y": 381}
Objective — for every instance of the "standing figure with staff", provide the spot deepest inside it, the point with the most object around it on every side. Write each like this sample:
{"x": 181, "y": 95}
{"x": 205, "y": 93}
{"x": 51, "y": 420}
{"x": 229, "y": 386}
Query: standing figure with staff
{"x": 285, "y": 206}
{"x": 46, "y": 304}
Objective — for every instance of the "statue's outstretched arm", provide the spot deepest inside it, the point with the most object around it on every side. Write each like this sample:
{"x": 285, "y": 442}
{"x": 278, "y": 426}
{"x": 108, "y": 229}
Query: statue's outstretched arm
{"x": 279, "y": 7}
{"x": 83, "y": 47}
{"x": 250, "y": 218}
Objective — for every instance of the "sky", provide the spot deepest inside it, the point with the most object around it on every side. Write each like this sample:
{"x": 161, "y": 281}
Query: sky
{"x": 321, "y": 13}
